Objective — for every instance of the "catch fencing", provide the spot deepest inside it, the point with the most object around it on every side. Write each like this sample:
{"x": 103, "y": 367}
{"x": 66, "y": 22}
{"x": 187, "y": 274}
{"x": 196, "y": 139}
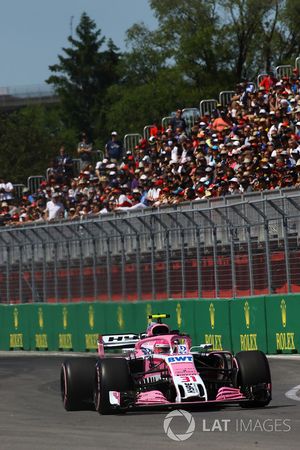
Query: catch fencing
{"x": 222, "y": 248}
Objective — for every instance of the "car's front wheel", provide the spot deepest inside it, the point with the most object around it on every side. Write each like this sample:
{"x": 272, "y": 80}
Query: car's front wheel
{"x": 77, "y": 383}
{"x": 111, "y": 378}
{"x": 254, "y": 378}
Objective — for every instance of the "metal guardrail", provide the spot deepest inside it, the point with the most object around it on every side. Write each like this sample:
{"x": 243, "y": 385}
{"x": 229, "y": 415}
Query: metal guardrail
{"x": 284, "y": 71}
{"x": 34, "y": 183}
{"x": 18, "y": 189}
{"x": 242, "y": 245}
{"x": 225, "y": 97}
{"x": 165, "y": 122}
{"x": 131, "y": 141}
{"x": 207, "y": 106}
{"x": 147, "y": 131}
{"x": 191, "y": 116}
{"x": 260, "y": 77}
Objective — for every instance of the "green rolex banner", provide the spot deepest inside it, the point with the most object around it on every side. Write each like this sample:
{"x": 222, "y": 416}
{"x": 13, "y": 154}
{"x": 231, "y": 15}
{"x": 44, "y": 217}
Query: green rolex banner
{"x": 42, "y": 327}
{"x": 94, "y": 321}
{"x": 212, "y": 323}
{"x": 67, "y": 326}
{"x": 17, "y": 326}
{"x": 283, "y": 324}
{"x": 248, "y": 324}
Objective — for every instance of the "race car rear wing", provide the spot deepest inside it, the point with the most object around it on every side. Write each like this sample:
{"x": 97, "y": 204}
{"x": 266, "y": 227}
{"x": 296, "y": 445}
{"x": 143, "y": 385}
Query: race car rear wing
{"x": 119, "y": 340}
{"x": 127, "y": 340}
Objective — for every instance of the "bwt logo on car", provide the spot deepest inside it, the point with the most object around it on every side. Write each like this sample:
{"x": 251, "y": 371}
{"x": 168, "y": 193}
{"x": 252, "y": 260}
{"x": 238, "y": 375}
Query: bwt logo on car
{"x": 175, "y": 359}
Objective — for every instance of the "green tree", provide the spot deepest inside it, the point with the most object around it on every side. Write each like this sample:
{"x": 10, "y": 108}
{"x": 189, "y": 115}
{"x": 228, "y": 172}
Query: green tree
{"x": 190, "y": 32}
{"x": 147, "y": 56}
{"x": 147, "y": 103}
{"x": 30, "y": 139}
{"x": 83, "y": 74}
{"x": 262, "y": 34}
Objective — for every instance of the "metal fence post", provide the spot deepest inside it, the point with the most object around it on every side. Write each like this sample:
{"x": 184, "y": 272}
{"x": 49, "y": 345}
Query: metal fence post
{"x": 34, "y": 294}
{"x": 153, "y": 288}
{"x": 232, "y": 257}
{"x": 44, "y": 272}
{"x": 215, "y": 251}
{"x": 268, "y": 256}
{"x": 123, "y": 257}
{"x": 8, "y": 275}
{"x": 81, "y": 271}
{"x": 250, "y": 261}
{"x": 168, "y": 262}
{"x": 286, "y": 243}
{"x": 138, "y": 257}
{"x": 108, "y": 269}
{"x": 55, "y": 272}
{"x": 198, "y": 252}
{"x": 95, "y": 269}
{"x": 166, "y": 244}
{"x": 232, "y": 252}
{"x": 108, "y": 257}
{"x": 215, "y": 256}
{"x": 69, "y": 292}
{"x": 123, "y": 264}
{"x": 21, "y": 274}
{"x": 267, "y": 245}
{"x": 249, "y": 246}
{"x": 182, "y": 258}
{"x": 138, "y": 266}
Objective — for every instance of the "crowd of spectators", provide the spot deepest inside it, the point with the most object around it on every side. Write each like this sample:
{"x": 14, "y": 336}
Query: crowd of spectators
{"x": 251, "y": 145}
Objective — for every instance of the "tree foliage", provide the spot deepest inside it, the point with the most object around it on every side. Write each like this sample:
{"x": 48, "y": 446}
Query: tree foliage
{"x": 30, "y": 139}
{"x": 83, "y": 74}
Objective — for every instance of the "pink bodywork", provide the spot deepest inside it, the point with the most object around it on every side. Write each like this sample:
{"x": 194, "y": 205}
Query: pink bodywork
{"x": 179, "y": 347}
{"x": 156, "y": 397}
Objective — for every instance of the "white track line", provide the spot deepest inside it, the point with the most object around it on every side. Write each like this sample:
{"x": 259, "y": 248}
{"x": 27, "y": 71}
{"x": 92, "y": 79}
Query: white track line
{"x": 292, "y": 393}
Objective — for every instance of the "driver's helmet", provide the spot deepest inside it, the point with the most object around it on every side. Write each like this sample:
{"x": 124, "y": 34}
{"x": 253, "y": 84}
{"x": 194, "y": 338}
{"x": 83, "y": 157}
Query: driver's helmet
{"x": 155, "y": 329}
{"x": 161, "y": 347}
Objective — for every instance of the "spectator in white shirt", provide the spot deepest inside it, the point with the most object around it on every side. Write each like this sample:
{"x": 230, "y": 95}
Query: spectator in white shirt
{"x": 54, "y": 208}
{"x": 6, "y": 190}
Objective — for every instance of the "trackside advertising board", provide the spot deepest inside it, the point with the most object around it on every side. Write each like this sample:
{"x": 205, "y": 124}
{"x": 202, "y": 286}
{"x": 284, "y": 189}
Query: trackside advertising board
{"x": 248, "y": 324}
{"x": 269, "y": 323}
{"x": 283, "y": 323}
{"x": 212, "y": 323}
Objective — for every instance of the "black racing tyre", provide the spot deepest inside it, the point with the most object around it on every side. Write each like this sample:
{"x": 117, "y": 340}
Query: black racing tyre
{"x": 77, "y": 383}
{"x": 253, "y": 376}
{"x": 112, "y": 374}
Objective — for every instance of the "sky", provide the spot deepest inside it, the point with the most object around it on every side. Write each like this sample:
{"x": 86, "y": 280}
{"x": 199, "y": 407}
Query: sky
{"x": 33, "y": 32}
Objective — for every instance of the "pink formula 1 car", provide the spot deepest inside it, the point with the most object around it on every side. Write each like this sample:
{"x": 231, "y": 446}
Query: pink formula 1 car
{"x": 161, "y": 369}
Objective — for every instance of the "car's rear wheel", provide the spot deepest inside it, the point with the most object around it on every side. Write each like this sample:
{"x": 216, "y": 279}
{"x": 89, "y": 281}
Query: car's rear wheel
{"x": 254, "y": 378}
{"x": 112, "y": 375}
{"x": 77, "y": 383}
